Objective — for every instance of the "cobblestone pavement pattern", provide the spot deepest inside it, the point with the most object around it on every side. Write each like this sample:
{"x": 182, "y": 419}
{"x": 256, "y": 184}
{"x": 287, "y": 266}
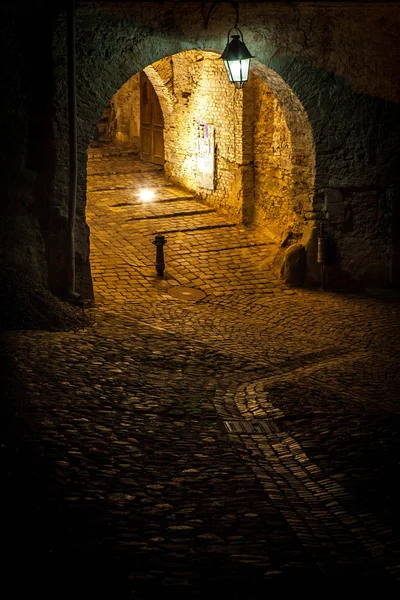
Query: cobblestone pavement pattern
{"x": 245, "y": 441}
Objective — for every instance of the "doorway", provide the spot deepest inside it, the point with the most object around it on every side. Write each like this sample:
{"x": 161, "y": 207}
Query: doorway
{"x": 151, "y": 123}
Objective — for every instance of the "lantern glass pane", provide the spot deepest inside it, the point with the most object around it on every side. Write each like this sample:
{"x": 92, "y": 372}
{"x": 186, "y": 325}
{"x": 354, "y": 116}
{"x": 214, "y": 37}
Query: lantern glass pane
{"x": 235, "y": 70}
{"x": 245, "y": 69}
{"x": 226, "y": 63}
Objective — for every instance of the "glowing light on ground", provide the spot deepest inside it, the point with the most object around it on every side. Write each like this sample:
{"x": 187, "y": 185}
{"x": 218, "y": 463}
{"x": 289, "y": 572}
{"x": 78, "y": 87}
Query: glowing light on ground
{"x": 146, "y": 195}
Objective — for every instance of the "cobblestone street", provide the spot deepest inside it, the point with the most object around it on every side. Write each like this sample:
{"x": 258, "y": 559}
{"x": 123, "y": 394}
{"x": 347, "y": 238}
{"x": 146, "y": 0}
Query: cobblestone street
{"x": 244, "y": 439}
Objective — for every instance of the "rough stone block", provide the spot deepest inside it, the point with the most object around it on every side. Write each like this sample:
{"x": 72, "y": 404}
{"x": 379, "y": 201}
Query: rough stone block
{"x": 333, "y": 196}
{"x": 336, "y": 210}
{"x": 294, "y": 265}
{"x": 334, "y": 204}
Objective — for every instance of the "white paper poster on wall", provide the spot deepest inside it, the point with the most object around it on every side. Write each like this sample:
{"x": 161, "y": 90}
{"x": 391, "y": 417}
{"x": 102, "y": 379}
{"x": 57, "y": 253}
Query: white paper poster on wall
{"x": 205, "y": 156}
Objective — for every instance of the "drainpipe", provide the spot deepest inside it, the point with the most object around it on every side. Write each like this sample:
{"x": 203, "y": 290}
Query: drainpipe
{"x": 73, "y": 153}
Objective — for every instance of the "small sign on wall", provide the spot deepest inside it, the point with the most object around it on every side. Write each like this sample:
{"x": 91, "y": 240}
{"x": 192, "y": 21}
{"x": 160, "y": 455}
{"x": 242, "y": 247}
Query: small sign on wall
{"x": 205, "y": 156}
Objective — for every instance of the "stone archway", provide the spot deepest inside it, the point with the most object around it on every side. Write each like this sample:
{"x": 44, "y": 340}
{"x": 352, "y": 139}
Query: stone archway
{"x": 349, "y": 91}
{"x": 232, "y": 173}
{"x": 265, "y": 167}
{"x": 278, "y": 158}
{"x": 264, "y": 160}
{"x": 115, "y": 42}
{"x": 194, "y": 93}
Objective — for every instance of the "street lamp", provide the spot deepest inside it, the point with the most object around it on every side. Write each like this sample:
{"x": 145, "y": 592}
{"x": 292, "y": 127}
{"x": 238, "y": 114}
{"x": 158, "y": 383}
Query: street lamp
{"x": 236, "y": 59}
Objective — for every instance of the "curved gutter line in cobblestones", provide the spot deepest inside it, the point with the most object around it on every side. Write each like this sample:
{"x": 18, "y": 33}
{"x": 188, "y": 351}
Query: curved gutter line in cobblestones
{"x": 155, "y": 201}
{"x": 172, "y": 215}
{"x": 247, "y": 246}
{"x": 201, "y": 228}
{"x": 127, "y": 172}
{"x": 314, "y": 505}
{"x": 173, "y": 199}
{"x": 114, "y": 189}
{"x": 309, "y": 363}
{"x": 293, "y": 482}
{"x": 119, "y": 188}
{"x": 288, "y": 373}
{"x": 307, "y": 334}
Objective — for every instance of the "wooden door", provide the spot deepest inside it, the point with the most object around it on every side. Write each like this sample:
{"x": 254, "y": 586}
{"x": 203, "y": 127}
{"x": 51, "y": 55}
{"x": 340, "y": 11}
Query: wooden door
{"x": 151, "y": 123}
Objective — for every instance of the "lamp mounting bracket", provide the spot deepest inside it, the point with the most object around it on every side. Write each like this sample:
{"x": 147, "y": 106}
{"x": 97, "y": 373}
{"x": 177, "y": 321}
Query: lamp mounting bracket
{"x": 234, "y": 4}
{"x": 235, "y": 29}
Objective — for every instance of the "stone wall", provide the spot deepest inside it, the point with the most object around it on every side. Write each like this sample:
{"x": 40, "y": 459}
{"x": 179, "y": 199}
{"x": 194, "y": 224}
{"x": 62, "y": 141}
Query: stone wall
{"x": 202, "y": 94}
{"x": 340, "y": 60}
{"x": 256, "y": 181}
{"x": 273, "y": 206}
{"x": 276, "y": 208}
{"x": 259, "y": 178}
{"x": 121, "y": 119}
{"x": 356, "y": 222}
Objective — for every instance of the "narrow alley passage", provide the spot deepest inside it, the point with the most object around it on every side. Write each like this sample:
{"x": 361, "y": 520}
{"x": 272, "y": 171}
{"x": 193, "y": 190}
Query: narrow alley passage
{"x": 239, "y": 442}
{"x": 203, "y": 249}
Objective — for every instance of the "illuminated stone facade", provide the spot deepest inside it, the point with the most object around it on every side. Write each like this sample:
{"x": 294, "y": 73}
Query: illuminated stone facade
{"x": 122, "y": 117}
{"x": 283, "y": 179}
{"x": 259, "y": 178}
{"x": 202, "y": 94}
{"x": 331, "y": 67}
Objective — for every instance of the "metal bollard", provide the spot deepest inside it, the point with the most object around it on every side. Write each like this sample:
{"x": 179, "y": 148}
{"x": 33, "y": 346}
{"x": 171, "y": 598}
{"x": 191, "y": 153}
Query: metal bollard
{"x": 322, "y": 255}
{"x": 159, "y": 242}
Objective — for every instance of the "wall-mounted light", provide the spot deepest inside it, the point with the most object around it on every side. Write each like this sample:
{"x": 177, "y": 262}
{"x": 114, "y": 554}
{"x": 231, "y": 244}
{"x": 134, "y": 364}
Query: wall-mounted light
{"x": 236, "y": 59}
